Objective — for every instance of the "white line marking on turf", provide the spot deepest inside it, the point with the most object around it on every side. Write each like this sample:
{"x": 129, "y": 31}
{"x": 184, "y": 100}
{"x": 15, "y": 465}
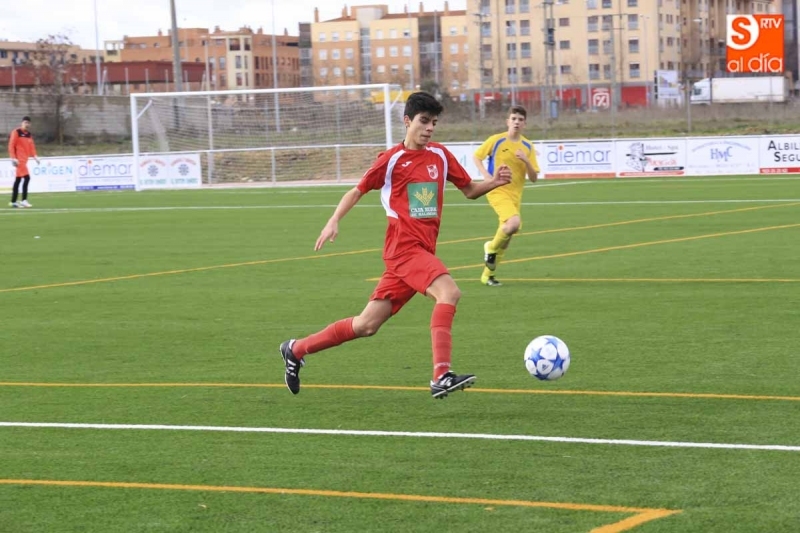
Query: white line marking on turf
{"x": 68, "y": 210}
{"x": 417, "y": 434}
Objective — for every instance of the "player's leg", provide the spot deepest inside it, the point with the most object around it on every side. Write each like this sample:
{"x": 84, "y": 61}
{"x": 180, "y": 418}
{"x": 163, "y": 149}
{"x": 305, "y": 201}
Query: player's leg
{"x": 15, "y": 191}
{"x": 25, "y": 182}
{"x": 389, "y": 297}
{"x": 446, "y": 294}
{"x": 509, "y": 224}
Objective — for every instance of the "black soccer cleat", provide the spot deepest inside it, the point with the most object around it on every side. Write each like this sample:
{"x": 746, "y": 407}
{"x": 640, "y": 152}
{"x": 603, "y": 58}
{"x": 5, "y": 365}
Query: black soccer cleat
{"x": 450, "y": 382}
{"x": 489, "y": 258}
{"x": 293, "y": 366}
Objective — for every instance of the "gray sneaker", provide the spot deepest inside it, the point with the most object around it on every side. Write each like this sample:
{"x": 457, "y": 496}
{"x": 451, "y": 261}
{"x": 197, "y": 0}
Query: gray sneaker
{"x": 293, "y": 366}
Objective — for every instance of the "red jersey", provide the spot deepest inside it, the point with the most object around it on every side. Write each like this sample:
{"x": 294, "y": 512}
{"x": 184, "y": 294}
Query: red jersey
{"x": 412, "y": 186}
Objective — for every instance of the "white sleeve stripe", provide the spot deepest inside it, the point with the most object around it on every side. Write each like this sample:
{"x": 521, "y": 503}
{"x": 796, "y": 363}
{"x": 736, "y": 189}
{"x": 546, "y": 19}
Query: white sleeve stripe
{"x": 386, "y": 190}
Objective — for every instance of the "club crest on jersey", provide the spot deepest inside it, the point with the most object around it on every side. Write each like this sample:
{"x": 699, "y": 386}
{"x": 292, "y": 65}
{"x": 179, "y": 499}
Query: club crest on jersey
{"x": 433, "y": 172}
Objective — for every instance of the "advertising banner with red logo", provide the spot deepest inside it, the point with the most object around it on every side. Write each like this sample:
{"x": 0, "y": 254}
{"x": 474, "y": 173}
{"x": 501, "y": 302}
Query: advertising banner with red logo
{"x": 779, "y": 154}
{"x": 755, "y": 44}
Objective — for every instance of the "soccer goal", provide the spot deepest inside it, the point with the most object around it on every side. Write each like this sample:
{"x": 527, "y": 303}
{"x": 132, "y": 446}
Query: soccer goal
{"x": 263, "y": 135}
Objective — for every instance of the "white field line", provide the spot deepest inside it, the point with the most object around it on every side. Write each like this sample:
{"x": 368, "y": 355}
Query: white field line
{"x": 412, "y": 434}
{"x": 69, "y": 210}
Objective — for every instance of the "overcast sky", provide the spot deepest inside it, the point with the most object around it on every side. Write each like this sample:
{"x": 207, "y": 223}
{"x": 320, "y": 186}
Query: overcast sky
{"x": 33, "y": 19}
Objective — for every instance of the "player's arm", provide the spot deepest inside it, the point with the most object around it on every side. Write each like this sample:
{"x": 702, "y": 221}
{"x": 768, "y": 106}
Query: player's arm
{"x": 479, "y": 163}
{"x": 474, "y": 189}
{"x": 530, "y": 167}
{"x": 12, "y": 147}
{"x": 331, "y": 229}
{"x": 33, "y": 152}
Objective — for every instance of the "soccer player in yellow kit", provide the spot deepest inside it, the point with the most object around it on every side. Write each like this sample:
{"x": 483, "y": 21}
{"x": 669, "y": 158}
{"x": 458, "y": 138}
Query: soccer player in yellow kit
{"x": 512, "y": 149}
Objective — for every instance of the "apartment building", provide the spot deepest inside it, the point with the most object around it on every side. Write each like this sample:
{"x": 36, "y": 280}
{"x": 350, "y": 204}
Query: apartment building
{"x": 21, "y": 53}
{"x": 240, "y": 59}
{"x": 368, "y": 44}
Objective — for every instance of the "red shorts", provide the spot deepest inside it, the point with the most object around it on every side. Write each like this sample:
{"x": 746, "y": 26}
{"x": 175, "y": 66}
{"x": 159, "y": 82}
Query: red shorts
{"x": 404, "y": 277}
{"x": 22, "y": 169}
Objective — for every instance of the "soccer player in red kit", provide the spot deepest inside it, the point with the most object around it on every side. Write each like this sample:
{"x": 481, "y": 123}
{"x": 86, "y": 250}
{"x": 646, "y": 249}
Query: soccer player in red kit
{"x": 20, "y": 149}
{"x": 411, "y": 178}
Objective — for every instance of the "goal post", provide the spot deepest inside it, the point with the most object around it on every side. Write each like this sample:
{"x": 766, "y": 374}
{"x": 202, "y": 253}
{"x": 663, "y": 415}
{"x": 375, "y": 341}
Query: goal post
{"x": 305, "y": 134}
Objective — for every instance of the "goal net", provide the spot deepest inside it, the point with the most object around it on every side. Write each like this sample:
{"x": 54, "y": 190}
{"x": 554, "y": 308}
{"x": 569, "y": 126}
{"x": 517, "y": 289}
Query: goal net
{"x": 265, "y": 135}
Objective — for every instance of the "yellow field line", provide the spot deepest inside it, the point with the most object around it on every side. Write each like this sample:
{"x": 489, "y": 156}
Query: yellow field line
{"x": 632, "y": 394}
{"x": 627, "y": 222}
{"x": 648, "y": 280}
{"x": 633, "y": 245}
{"x": 370, "y": 250}
{"x": 642, "y": 514}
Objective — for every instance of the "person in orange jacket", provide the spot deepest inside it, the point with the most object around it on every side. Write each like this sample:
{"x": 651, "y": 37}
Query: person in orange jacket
{"x": 21, "y": 148}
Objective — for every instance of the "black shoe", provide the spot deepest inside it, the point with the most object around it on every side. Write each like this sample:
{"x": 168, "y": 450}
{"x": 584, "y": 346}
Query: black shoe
{"x": 450, "y": 382}
{"x": 489, "y": 258}
{"x": 490, "y": 281}
{"x": 293, "y": 366}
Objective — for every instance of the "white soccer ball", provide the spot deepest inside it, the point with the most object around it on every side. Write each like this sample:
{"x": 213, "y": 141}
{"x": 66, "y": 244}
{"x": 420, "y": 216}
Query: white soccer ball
{"x": 547, "y": 357}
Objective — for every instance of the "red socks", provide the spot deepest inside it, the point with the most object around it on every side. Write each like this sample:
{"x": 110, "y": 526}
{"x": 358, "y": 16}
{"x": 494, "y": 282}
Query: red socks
{"x": 442, "y": 337}
{"x": 333, "y": 335}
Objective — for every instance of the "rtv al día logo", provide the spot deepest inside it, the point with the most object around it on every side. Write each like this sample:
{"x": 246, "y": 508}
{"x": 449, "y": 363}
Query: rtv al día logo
{"x": 754, "y": 44}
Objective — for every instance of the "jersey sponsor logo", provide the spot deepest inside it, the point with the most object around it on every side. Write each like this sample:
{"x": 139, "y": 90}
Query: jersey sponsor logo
{"x": 433, "y": 171}
{"x": 422, "y": 201}
{"x": 404, "y": 165}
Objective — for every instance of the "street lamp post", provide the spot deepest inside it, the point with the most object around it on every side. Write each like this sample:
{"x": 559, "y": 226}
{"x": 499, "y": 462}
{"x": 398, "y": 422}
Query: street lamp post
{"x": 97, "y": 48}
{"x": 647, "y": 78}
{"x": 275, "y": 71}
{"x": 176, "y": 53}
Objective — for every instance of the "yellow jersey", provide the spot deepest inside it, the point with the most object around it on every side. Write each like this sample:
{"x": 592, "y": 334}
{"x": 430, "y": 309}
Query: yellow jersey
{"x": 500, "y": 150}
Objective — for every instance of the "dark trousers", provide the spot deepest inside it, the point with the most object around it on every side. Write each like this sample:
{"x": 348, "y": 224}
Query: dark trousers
{"x": 25, "y": 181}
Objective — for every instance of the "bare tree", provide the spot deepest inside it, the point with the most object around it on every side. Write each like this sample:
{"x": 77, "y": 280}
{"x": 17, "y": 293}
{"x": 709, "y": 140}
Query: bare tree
{"x": 52, "y": 60}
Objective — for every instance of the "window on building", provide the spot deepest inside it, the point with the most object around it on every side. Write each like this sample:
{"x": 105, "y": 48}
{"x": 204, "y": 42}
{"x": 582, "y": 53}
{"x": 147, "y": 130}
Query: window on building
{"x": 591, "y": 24}
{"x": 406, "y": 51}
{"x": 380, "y": 51}
{"x": 350, "y": 72}
{"x": 633, "y": 46}
{"x": 606, "y": 4}
{"x": 606, "y": 72}
{"x": 566, "y": 69}
{"x": 238, "y": 61}
{"x": 594, "y": 47}
{"x": 466, "y": 48}
{"x": 633, "y": 70}
{"x": 486, "y": 7}
{"x": 607, "y": 47}
{"x": 239, "y": 79}
{"x": 511, "y": 7}
{"x": 563, "y": 45}
{"x": 525, "y": 50}
{"x": 395, "y": 69}
{"x": 337, "y": 72}
{"x": 393, "y": 33}
{"x": 524, "y": 6}
{"x": 247, "y": 44}
{"x": 511, "y": 27}
{"x": 234, "y": 45}
{"x": 336, "y": 53}
{"x": 563, "y": 22}
{"x": 454, "y": 68}
{"x": 406, "y": 33}
{"x": 323, "y": 55}
{"x": 591, "y": 4}
{"x": 511, "y": 50}
{"x": 524, "y": 27}
{"x": 527, "y": 75}
{"x": 594, "y": 71}
{"x": 222, "y": 62}
{"x": 486, "y": 29}
{"x": 348, "y": 53}
{"x": 453, "y": 30}
{"x": 379, "y": 34}
{"x": 607, "y": 22}
{"x": 393, "y": 51}
{"x": 633, "y": 3}
{"x": 512, "y": 74}
{"x": 633, "y": 22}
{"x": 453, "y": 48}
{"x": 348, "y": 36}
{"x": 334, "y": 36}
{"x": 381, "y": 69}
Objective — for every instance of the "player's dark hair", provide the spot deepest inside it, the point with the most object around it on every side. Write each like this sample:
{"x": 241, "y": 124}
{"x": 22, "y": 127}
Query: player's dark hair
{"x": 422, "y": 102}
{"x": 26, "y": 119}
{"x": 518, "y": 110}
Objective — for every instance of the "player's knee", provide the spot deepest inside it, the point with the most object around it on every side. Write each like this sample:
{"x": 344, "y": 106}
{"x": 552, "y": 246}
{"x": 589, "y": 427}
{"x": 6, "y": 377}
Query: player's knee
{"x": 450, "y": 296}
{"x": 367, "y": 329}
{"x": 511, "y": 226}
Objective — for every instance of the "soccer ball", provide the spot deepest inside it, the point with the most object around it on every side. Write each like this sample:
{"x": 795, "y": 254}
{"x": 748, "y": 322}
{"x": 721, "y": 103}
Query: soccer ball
{"x": 547, "y": 357}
